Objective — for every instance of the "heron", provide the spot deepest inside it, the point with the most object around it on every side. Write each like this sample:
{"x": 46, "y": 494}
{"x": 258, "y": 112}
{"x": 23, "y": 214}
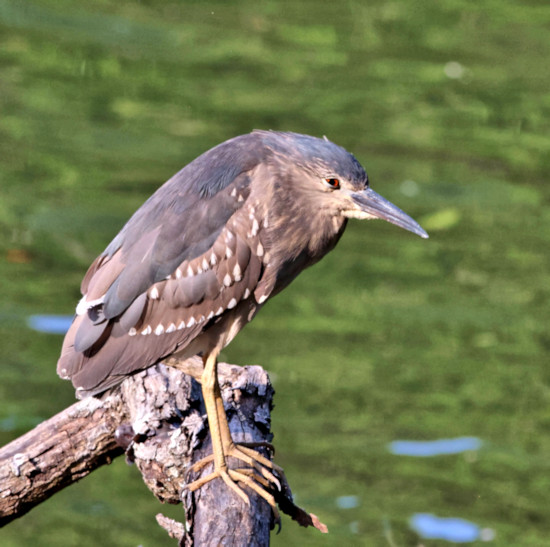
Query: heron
{"x": 199, "y": 259}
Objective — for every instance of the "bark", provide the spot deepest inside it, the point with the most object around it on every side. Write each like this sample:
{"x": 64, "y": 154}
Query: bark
{"x": 157, "y": 417}
{"x": 56, "y": 453}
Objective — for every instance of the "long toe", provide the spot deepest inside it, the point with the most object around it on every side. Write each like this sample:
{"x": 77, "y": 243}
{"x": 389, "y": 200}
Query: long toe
{"x": 261, "y": 475}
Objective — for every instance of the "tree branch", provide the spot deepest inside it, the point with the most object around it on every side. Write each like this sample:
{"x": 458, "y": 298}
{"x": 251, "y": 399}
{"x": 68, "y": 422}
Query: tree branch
{"x": 158, "y": 418}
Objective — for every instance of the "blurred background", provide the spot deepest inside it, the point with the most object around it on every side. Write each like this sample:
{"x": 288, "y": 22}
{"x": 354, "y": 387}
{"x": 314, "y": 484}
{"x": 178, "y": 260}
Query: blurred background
{"x": 442, "y": 343}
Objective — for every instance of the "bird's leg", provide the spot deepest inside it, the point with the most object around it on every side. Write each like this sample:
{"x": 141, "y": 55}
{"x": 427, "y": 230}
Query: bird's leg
{"x": 261, "y": 468}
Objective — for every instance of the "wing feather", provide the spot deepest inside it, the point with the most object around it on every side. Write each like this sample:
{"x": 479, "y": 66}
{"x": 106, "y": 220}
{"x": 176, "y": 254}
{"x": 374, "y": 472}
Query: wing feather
{"x": 182, "y": 219}
{"x": 168, "y": 314}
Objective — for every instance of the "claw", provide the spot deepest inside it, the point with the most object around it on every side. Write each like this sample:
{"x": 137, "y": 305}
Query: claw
{"x": 277, "y": 519}
{"x": 226, "y": 476}
{"x": 257, "y": 477}
{"x": 255, "y": 458}
{"x": 259, "y": 444}
{"x": 250, "y": 473}
{"x": 235, "y": 475}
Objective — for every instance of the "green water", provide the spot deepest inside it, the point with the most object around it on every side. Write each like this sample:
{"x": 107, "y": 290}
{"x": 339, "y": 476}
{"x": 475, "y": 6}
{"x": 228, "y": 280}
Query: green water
{"x": 447, "y": 104}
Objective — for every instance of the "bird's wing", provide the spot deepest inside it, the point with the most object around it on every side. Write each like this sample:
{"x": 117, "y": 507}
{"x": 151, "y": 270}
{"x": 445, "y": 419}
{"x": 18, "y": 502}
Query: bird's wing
{"x": 180, "y": 221}
{"x": 179, "y": 263}
{"x": 99, "y": 352}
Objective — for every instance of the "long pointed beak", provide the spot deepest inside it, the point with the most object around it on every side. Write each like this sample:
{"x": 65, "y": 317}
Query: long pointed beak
{"x": 374, "y": 205}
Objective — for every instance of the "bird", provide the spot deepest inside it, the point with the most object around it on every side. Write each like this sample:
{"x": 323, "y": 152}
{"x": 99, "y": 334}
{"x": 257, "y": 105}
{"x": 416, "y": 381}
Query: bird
{"x": 198, "y": 260}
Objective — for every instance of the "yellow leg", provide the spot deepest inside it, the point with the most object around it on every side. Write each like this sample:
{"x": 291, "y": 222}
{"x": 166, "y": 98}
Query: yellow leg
{"x": 224, "y": 447}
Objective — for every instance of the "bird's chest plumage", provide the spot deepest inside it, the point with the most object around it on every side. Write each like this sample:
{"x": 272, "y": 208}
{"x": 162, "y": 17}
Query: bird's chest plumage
{"x": 304, "y": 251}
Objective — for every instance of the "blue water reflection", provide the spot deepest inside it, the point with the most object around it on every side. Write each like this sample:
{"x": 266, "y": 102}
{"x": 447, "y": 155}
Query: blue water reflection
{"x": 51, "y": 324}
{"x": 456, "y": 530}
{"x": 425, "y": 449}
{"x": 347, "y": 502}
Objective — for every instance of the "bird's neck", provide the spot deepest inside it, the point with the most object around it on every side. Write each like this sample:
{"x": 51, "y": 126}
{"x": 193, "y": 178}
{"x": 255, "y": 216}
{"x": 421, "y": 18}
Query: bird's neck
{"x": 301, "y": 240}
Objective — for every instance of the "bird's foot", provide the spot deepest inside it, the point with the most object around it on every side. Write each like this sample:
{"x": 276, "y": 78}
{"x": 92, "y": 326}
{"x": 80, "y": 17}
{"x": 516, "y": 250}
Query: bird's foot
{"x": 260, "y": 476}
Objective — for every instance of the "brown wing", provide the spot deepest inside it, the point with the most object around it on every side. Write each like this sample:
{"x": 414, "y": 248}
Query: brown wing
{"x": 99, "y": 352}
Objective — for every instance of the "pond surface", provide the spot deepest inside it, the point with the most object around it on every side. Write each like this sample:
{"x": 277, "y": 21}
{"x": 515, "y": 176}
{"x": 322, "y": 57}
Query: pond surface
{"x": 391, "y": 338}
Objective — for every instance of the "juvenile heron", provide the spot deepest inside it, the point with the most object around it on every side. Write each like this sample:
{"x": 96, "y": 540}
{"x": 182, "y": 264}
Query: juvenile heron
{"x": 198, "y": 260}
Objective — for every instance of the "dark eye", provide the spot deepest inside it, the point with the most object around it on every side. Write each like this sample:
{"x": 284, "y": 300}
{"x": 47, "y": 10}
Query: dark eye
{"x": 332, "y": 182}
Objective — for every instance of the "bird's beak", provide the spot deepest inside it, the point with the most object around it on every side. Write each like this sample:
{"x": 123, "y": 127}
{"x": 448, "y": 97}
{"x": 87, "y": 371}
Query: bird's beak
{"x": 372, "y": 205}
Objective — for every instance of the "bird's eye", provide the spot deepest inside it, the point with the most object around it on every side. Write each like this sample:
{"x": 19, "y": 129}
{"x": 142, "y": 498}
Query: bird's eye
{"x": 332, "y": 182}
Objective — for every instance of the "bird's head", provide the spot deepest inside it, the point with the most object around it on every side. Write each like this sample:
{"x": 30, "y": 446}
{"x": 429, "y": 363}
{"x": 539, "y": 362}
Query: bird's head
{"x": 333, "y": 180}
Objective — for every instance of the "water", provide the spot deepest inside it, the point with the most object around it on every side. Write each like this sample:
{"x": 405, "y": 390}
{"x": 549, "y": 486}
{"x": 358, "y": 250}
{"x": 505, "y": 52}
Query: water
{"x": 51, "y": 324}
{"x": 450, "y": 529}
{"x": 390, "y": 337}
{"x": 438, "y": 447}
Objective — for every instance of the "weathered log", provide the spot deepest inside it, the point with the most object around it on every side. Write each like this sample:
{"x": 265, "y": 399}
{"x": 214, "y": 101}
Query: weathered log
{"x": 56, "y": 453}
{"x": 157, "y": 417}
{"x": 160, "y": 412}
